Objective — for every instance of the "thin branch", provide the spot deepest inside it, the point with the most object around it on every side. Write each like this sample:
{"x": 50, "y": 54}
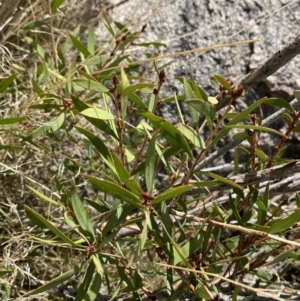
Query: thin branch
{"x": 267, "y": 68}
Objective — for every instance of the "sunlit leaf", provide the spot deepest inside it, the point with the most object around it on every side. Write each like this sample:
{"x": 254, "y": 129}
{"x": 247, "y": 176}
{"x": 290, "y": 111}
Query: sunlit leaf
{"x": 218, "y": 79}
{"x": 202, "y": 107}
{"x": 97, "y": 114}
{"x": 224, "y": 180}
{"x": 150, "y": 164}
{"x": 81, "y": 215}
{"x": 42, "y": 196}
{"x": 171, "y": 193}
{"x": 115, "y": 190}
{"x": 90, "y": 85}
{"x": 191, "y": 135}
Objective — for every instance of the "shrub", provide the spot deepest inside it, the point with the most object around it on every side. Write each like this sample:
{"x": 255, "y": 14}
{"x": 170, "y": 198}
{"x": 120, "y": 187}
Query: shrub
{"x": 134, "y": 205}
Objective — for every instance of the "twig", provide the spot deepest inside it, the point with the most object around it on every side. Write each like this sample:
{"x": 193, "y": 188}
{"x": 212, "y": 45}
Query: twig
{"x": 267, "y": 68}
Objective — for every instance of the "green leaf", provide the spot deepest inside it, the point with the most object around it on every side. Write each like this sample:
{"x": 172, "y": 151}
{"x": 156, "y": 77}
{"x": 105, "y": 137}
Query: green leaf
{"x": 235, "y": 120}
{"x": 97, "y": 264}
{"x": 199, "y": 92}
{"x": 297, "y": 94}
{"x": 191, "y": 135}
{"x": 37, "y": 218}
{"x": 281, "y": 257}
{"x": 40, "y": 51}
{"x": 169, "y": 132}
{"x": 91, "y": 39}
{"x": 124, "y": 98}
{"x": 125, "y": 176}
{"x": 80, "y": 46}
{"x": 171, "y": 193}
{"x": 203, "y": 292}
{"x": 34, "y": 25}
{"x": 189, "y": 93}
{"x": 85, "y": 283}
{"x": 101, "y": 147}
{"x": 81, "y": 215}
{"x": 42, "y": 196}
{"x": 282, "y": 224}
{"x": 12, "y": 120}
{"x": 94, "y": 289}
{"x": 115, "y": 190}
{"x": 223, "y": 180}
{"x": 51, "y": 127}
{"x": 55, "y": 5}
{"x": 201, "y": 106}
{"x": 90, "y": 85}
{"x": 279, "y": 103}
{"x": 133, "y": 97}
{"x": 134, "y": 88}
{"x": 11, "y": 147}
{"x": 254, "y": 127}
{"x": 217, "y": 78}
{"x": 150, "y": 165}
{"x": 142, "y": 242}
{"x": 55, "y": 282}
{"x": 264, "y": 275}
{"x": 5, "y": 83}
{"x": 98, "y": 123}
{"x": 97, "y": 114}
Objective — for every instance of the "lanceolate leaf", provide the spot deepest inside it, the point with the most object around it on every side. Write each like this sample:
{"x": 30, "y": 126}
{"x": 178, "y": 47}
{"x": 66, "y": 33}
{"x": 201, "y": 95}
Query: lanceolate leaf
{"x": 4, "y": 84}
{"x": 219, "y": 78}
{"x": 224, "y": 180}
{"x": 98, "y": 123}
{"x": 169, "y": 132}
{"x": 55, "y": 282}
{"x": 189, "y": 93}
{"x": 101, "y": 147}
{"x": 115, "y": 190}
{"x": 35, "y": 216}
{"x": 239, "y": 117}
{"x": 201, "y": 106}
{"x": 98, "y": 114}
{"x": 125, "y": 177}
{"x": 85, "y": 283}
{"x": 171, "y": 193}
{"x": 90, "y": 85}
{"x": 280, "y": 103}
{"x": 51, "y": 127}
{"x": 254, "y": 127}
{"x": 41, "y": 195}
{"x": 94, "y": 289}
{"x": 282, "y": 224}
{"x": 12, "y": 120}
{"x": 81, "y": 215}
{"x": 191, "y": 135}
{"x": 150, "y": 164}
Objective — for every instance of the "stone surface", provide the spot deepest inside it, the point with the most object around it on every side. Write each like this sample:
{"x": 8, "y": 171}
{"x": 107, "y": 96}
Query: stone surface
{"x": 186, "y": 24}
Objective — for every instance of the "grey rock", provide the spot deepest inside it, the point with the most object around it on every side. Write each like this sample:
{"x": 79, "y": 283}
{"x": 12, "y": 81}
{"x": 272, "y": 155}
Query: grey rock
{"x": 185, "y": 25}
